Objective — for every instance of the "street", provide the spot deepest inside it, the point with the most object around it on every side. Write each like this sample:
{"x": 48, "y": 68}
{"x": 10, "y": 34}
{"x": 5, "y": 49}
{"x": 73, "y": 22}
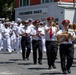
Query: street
{"x": 12, "y": 64}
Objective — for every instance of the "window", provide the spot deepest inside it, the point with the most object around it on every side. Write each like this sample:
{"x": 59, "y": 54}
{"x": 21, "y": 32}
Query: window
{"x": 43, "y": 1}
{"x": 26, "y": 2}
{"x": 20, "y": 2}
{"x": 46, "y": 1}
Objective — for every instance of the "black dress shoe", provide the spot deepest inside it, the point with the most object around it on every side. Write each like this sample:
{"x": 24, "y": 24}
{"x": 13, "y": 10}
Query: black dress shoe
{"x": 23, "y": 58}
{"x": 69, "y": 71}
{"x": 40, "y": 63}
{"x": 27, "y": 58}
{"x": 54, "y": 66}
{"x": 49, "y": 68}
{"x": 65, "y": 72}
{"x": 35, "y": 63}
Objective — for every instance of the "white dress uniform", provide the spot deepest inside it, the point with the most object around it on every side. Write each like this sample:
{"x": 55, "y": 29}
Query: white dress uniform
{"x": 18, "y": 37}
{"x": 30, "y": 26}
{"x": 13, "y": 39}
{"x": 1, "y": 41}
{"x": 6, "y": 39}
{"x": 43, "y": 41}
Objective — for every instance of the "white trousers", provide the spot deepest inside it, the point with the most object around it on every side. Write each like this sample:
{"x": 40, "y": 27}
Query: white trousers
{"x": 13, "y": 44}
{"x": 43, "y": 45}
{"x": 1, "y": 41}
{"x": 18, "y": 44}
{"x": 7, "y": 44}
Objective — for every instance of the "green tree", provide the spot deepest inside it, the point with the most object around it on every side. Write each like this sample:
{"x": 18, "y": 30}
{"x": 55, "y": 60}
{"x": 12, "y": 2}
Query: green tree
{"x": 7, "y": 8}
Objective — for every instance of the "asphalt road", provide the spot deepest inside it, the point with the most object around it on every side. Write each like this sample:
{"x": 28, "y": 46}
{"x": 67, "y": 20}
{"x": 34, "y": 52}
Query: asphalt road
{"x": 12, "y": 64}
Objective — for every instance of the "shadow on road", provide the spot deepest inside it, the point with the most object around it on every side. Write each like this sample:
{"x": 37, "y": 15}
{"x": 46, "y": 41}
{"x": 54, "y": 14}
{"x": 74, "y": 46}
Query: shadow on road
{"x": 25, "y": 63}
{"x": 15, "y": 59}
{"x": 55, "y": 73}
{"x": 34, "y": 68}
{"x": 6, "y": 62}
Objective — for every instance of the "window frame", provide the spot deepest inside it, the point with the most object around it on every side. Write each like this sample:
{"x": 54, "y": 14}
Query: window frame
{"x": 44, "y": 1}
{"x": 27, "y": 4}
{"x": 20, "y": 5}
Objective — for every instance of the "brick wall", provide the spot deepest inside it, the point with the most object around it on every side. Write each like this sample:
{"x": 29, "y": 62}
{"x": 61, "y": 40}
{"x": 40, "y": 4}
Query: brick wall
{"x": 34, "y": 2}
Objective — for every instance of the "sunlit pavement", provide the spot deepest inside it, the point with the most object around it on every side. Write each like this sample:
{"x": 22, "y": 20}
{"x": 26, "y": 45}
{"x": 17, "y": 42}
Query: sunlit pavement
{"x": 12, "y": 64}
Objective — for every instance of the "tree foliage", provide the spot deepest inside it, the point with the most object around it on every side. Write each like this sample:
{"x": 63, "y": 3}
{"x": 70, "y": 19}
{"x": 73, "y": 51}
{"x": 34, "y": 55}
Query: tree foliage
{"x": 6, "y": 7}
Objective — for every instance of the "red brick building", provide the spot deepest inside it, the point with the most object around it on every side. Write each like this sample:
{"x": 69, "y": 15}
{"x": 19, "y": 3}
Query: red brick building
{"x": 35, "y": 2}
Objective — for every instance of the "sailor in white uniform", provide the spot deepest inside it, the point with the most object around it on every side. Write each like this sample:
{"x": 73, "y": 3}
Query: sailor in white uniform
{"x": 6, "y": 32}
{"x": 2, "y": 21}
{"x": 18, "y": 37}
{"x": 13, "y": 37}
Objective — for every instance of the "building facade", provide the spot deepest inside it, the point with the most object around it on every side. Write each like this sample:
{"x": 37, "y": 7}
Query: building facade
{"x": 41, "y": 9}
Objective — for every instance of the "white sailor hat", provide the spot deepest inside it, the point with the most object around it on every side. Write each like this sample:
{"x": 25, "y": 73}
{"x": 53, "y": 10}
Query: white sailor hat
{"x": 26, "y": 22}
{"x": 12, "y": 23}
{"x": 7, "y": 19}
{"x": 41, "y": 23}
{"x": 30, "y": 20}
{"x": 7, "y": 23}
{"x": 19, "y": 20}
{"x": 3, "y": 19}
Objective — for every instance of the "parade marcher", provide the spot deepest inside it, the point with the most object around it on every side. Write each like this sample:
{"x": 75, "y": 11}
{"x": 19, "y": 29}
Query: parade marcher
{"x": 13, "y": 37}
{"x": 7, "y": 20}
{"x": 36, "y": 34}
{"x": 3, "y": 21}
{"x": 51, "y": 43}
{"x": 1, "y": 40}
{"x": 2, "y": 26}
{"x": 25, "y": 41}
{"x": 66, "y": 46}
{"x": 18, "y": 37}
{"x": 30, "y": 25}
{"x": 6, "y": 33}
{"x": 43, "y": 40}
